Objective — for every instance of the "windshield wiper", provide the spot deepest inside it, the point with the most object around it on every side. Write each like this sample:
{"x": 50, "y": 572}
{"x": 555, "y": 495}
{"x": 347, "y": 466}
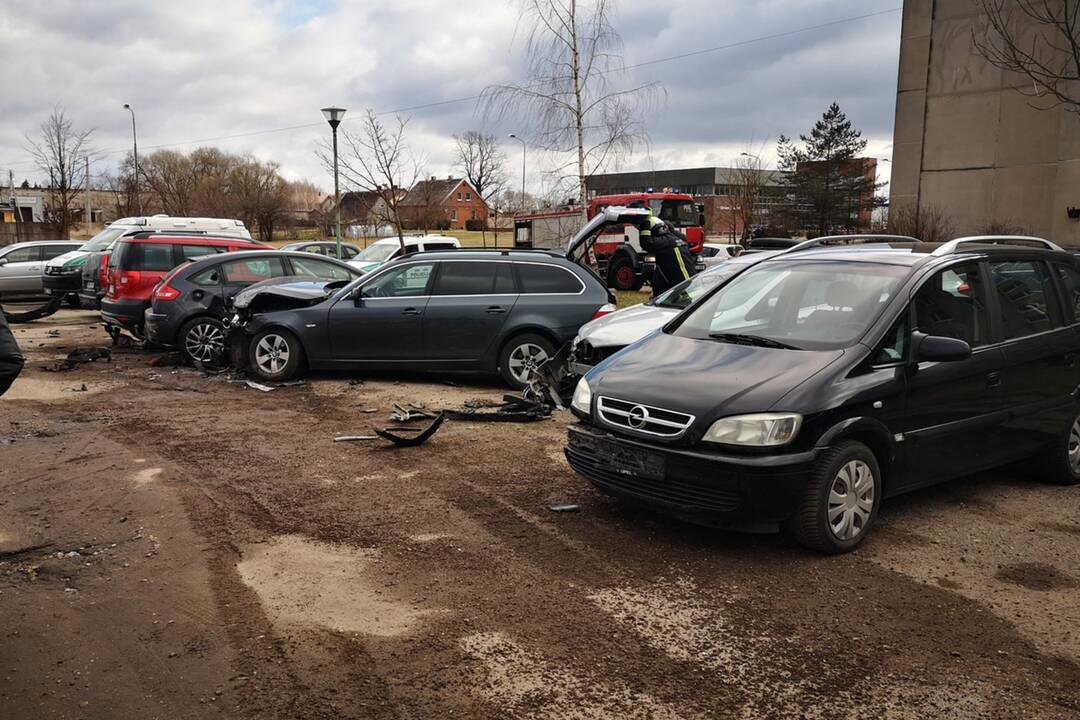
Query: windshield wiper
{"x": 755, "y": 340}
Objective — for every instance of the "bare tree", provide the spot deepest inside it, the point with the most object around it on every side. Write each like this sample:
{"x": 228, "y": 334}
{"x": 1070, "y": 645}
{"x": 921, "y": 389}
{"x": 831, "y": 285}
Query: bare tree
{"x": 170, "y": 177}
{"x": 377, "y": 160}
{"x": 747, "y": 184}
{"x": 259, "y": 195}
{"x": 481, "y": 159}
{"x": 929, "y": 224}
{"x": 60, "y": 153}
{"x": 121, "y": 185}
{"x": 1039, "y": 39}
{"x": 569, "y": 103}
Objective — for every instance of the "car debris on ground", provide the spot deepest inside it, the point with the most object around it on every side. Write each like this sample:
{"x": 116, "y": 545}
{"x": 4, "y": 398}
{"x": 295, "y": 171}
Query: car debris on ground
{"x": 422, "y": 434}
{"x": 78, "y": 356}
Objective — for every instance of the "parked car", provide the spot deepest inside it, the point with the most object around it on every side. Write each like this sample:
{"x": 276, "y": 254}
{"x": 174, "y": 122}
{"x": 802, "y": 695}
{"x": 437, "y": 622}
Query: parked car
{"x": 481, "y": 311}
{"x": 714, "y": 253}
{"x": 323, "y": 247}
{"x": 603, "y": 337}
{"x": 22, "y": 264}
{"x": 189, "y": 304}
{"x": 385, "y": 250}
{"x": 139, "y": 262}
{"x": 65, "y": 273}
{"x": 817, "y": 383}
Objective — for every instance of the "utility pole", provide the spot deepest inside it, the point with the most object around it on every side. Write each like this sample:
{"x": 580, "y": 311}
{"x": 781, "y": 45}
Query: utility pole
{"x": 135, "y": 155}
{"x": 89, "y": 210}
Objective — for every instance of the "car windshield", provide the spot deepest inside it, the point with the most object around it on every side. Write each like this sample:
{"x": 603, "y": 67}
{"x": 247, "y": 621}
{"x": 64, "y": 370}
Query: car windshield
{"x": 680, "y": 213}
{"x": 811, "y": 305}
{"x": 103, "y": 239}
{"x": 378, "y": 252}
{"x": 689, "y": 291}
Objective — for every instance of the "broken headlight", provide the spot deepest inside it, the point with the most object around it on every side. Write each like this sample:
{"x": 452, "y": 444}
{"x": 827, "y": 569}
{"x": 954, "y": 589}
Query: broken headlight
{"x": 760, "y": 430}
{"x": 582, "y": 401}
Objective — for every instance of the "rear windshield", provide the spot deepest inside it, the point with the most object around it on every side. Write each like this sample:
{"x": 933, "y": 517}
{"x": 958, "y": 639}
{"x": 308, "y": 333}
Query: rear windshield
{"x": 148, "y": 257}
{"x": 811, "y": 305}
{"x": 103, "y": 239}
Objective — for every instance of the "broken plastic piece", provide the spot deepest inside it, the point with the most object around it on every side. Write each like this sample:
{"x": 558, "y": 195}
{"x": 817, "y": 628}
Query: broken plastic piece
{"x": 258, "y": 386}
{"x": 354, "y": 438}
{"x": 564, "y": 508}
{"x": 419, "y": 439}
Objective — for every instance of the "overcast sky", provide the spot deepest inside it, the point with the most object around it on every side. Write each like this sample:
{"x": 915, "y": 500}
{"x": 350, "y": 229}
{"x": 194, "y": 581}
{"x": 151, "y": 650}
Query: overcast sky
{"x": 197, "y": 71}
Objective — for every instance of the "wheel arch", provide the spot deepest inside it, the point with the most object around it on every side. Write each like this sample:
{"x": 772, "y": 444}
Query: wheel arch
{"x": 540, "y": 330}
{"x": 874, "y": 435}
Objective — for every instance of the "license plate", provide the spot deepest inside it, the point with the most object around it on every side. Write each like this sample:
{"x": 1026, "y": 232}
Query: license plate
{"x": 623, "y": 459}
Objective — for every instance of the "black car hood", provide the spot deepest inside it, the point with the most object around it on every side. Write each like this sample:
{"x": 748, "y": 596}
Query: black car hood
{"x": 706, "y": 378}
{"x": 291, "y": 288}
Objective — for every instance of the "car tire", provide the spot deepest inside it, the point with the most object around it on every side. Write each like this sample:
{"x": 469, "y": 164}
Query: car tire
{"x": 622, "y": 275}
{"x": 202, "y": 339}
{"x": 72, "y": 301}
{"x": 521, "y": 354}
{"x": 838, "y": 508}
{"x": 1061, "y": 465}
{"x": 289, "y": 355}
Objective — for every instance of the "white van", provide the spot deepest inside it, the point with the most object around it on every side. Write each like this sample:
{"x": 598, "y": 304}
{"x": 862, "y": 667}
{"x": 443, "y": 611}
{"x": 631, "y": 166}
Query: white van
{"x": 385, "y": 250}
{"x": 64, "y": 274}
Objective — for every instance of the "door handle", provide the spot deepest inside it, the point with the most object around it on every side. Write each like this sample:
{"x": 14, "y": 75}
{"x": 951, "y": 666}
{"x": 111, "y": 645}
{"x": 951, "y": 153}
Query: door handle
{"x": 496, "y": 310}
{"x": 993, "y": 380}
{"x": 410, "y": 311}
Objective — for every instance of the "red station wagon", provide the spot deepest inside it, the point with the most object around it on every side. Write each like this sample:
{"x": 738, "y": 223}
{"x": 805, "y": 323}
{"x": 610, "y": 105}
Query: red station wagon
{"x": 138, "y": 263}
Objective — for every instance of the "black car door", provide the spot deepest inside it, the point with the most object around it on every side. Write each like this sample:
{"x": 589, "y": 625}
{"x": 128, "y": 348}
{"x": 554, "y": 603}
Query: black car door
{"x": 1041, "y": 353}
{"x": 953, "y": 419}
{"x": 468, "y": 307}
{"x": 384, "y": 323}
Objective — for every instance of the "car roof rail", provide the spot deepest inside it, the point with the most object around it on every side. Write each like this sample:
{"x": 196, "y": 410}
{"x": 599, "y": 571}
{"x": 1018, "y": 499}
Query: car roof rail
{"x": 500, "y": 251}
{"x": 848, "y": 240}
{"x": 953, "y": 246}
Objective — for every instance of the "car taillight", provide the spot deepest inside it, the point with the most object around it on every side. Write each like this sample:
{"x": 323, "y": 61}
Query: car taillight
{"x": 604, "y": 310}
{"x": 165, "y": 292}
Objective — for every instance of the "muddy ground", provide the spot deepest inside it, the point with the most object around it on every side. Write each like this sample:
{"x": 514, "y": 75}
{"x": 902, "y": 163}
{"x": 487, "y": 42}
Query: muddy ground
{"x": 177, "y": 546}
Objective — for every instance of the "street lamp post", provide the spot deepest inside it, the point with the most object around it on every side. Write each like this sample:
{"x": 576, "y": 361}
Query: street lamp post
{"x": 515, "y": 137}
{"x": 135, "y": 155}
{"x": 333, "y": 116}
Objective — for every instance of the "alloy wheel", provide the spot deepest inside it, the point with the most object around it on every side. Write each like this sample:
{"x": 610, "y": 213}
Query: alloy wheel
{"x": 525, "y": 359}
{"x": 1074, "y": 446}
{"x": 851, "y": 499}
{"x": 272, "y": 354}
{"x": 205, "y": 342}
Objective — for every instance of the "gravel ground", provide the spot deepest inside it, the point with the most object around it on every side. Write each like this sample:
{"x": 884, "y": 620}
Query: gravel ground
{"x": 179, "y": 546}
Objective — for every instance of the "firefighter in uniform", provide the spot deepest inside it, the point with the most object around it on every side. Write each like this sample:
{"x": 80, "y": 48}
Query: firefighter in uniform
{"x": 674, "y": 263}
{"x": 11, "y": 359}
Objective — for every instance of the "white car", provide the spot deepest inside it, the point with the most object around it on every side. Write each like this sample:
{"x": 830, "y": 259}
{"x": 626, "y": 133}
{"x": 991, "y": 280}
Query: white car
{"x": 385, "y": 250}
{"x": 716, "y": 253}
{"x": 599, "y": 339}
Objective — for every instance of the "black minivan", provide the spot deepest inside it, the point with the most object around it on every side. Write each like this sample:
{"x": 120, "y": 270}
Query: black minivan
{"x": 807, "y": 389}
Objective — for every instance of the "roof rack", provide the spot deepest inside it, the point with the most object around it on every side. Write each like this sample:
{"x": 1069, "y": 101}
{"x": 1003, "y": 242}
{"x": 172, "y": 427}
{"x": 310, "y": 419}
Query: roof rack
{"x": 501, "y": 251}
{"x": 953, "y": 246}
{"x": 849, "y": 240}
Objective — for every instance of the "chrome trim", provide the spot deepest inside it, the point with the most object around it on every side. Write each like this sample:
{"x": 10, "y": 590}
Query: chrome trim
{"x": 954, "y": 245}
{"x": 605, "y": 412}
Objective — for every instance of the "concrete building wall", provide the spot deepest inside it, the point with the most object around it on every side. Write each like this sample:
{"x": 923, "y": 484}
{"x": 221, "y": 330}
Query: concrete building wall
{"x": 967, "y": 142}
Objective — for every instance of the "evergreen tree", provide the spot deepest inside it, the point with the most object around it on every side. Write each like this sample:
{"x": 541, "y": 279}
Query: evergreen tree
{"x": 828, "y": 185}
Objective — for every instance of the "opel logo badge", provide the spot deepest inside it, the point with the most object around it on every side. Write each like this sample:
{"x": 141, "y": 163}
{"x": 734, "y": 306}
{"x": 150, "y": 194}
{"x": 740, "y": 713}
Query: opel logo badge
{"x": 637, "y": 417}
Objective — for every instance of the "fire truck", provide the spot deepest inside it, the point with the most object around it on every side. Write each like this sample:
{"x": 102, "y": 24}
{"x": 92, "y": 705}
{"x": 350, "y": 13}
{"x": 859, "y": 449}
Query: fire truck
{"x": 619, "y": 256}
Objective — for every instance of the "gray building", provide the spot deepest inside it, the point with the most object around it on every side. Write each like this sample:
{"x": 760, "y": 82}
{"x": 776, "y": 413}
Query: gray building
{"x": 968, "y": 143}
{"x": 699, "y": 182}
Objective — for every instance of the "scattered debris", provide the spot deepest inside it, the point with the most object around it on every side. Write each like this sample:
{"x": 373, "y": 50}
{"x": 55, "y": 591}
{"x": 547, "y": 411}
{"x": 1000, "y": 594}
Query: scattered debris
{"x": 258, "y": 386}
{"x": 419, "y": 439}
{"x": 569, "y": 508}
{"x": 354, "y": 383}
{"x": 368, "y": 411}
{"x": 354, "y": 438}
{"x": 172, "y": 359}
{"x": 79, "y": 356}
{"x": 53, "y": 333}
{"x": 451, "y": 383}
{"x": 514, "y": 409}
{"x": 401, "y": 414}
{"x": 81, "y": 388}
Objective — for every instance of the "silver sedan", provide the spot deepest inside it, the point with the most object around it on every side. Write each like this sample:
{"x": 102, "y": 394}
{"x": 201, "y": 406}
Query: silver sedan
{"x": 22, "y": 264}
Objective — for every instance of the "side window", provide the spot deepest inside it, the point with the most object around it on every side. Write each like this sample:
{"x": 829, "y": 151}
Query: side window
{"x": 439, "y": 246}
{"x": 952, "y": 303}
{"x": 347, "y": 252}
{"x": 153, "y": 257}
{"x": 194, "y": 251}
{"x": 317, "y": 250}
{"x": 210, "y": 277}
{"x": 1026, "y": 297}
{"x": 1070, "y": 284}
{"x": 55, "y": 251}
{"x": 26, "y": 254}
{"x": 547, "y": 279}
{"x": 404, "y": 281}
{"x": 318, "y": 269}
{"x": 894, "y": 348}
{"x": 247, "y": 272}
{"x": 410, "y": 249}
{"x": 504, "y": 279}
{"x": 466, "y": 278}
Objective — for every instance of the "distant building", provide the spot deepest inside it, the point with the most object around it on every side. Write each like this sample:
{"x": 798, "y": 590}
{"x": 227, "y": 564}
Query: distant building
{"x": 968, "y": 143}
{"x": 442, "y": 204}
{"x": 711, "y": 186}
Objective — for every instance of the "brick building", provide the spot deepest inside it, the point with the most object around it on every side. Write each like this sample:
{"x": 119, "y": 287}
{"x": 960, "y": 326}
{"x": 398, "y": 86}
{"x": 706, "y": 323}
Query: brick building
{"x": 443, "y": 204}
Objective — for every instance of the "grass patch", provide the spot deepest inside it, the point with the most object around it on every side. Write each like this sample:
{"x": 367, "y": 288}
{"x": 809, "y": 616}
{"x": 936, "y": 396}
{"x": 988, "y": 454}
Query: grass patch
{"x": 626, "y": 298}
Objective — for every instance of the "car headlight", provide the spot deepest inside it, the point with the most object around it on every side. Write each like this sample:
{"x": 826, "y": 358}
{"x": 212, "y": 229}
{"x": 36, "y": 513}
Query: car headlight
{"x": 760, "y": 430}
{"x": 582, "y": 401}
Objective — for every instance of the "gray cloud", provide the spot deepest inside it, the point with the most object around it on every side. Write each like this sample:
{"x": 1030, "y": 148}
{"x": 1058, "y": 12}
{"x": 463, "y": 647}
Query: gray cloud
{"x": 198, "y": 69}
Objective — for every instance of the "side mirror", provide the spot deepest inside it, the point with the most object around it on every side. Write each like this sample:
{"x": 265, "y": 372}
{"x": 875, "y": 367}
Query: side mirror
{"x": 3, "y": 261}
{"x": 934, "y": 348}
{"x": 358, "y": 296}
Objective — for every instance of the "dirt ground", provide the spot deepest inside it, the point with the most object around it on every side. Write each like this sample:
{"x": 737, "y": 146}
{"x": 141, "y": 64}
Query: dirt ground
{"x": 178, "y": 546}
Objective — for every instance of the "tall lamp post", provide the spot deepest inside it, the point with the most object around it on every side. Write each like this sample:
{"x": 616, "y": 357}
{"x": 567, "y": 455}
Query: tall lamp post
{"x": 333, "y": 116}
{"x": 135, "y": 154}
{"x": 515, "y": 137}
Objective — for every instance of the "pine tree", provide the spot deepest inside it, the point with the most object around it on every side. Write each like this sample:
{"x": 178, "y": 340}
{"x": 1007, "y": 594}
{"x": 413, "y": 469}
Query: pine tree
{"x": 828, "y": 185}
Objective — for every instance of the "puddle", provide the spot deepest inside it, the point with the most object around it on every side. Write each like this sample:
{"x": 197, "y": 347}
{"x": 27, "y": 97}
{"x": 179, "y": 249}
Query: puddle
{"x": 301, "y": 581}
{"x": 1035, "y": 576}
{"x": 527, "y": 686}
